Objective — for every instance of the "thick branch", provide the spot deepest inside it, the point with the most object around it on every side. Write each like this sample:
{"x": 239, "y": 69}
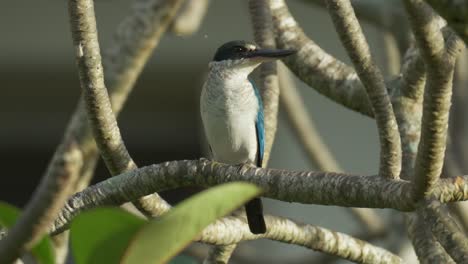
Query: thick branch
{"x": 427, "y": 248}
{"x": 440, "y": 66}
{"x": 446, "y": 230}
{"x": 353, "y": 39}
{"x": 292, "y": 186}
{"x": 230, "y": 230}
{"x": 306, "y": 187}
{"x": 189, "y": 17}
{"x": 456, "y": 14}
{"x": 102, "y": 119}
{"x": 314, "y": 66}
{"x": 45, "y": 204}
{"x": 312, "y": 143}
{"x": 263, "y": 34}
{"x": 219, "y": 254}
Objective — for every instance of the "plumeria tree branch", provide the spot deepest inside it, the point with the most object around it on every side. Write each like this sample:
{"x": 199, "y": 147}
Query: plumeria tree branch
{"x": 427, "y": 248}
{"x": 312, "y": 143}
{"x": 230, "y": 230}
{"x": 314, "y": 66}
{"x": 455, "y": 12}
{"x": 446, "y": 231}
{"x": 189, "y": 17}
{"x": 353, "y": 39}
{"x": 306, "y": 187}
{"x": 268, "y": 77}
{"x": 45, "y": 204}
{"x": 440, "y": 63}
{"x": 98, "y": 106}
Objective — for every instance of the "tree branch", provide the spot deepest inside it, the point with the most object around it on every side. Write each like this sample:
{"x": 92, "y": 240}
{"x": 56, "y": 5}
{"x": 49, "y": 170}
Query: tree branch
{"x": 446, "y": 231}
{"x": 456, "y": 14}
{"x": 312, "y": 143}
{"x": 440, "y": 66}
{"x": 230, "y": 230}
{"x": 44, "y": 205}
{"x": 269, "y": 88}
{"x": 314, "y": 66}
{"x": 427, "y": 248}
{"x": 220, "y": 254}
{"x": 189, "y": 17}
{"x": 307, "y": 187}
{"x": 102, "y": 119}
{"x": 353, "y": 39}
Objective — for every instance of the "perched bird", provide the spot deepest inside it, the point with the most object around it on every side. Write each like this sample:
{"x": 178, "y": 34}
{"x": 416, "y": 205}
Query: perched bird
{"x": 232, "y": 112}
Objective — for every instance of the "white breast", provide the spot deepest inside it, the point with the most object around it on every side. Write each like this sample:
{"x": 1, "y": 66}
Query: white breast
{"x": 229, "y": 110}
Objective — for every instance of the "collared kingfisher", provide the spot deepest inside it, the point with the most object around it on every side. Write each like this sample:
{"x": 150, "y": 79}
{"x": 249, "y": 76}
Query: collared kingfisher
{"x": 232, "y": 112}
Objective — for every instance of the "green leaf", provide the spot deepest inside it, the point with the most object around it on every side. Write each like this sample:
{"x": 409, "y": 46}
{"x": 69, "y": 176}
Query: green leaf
{"x": 101, "y": 235}
{"x": 162, "y": 239}
{"x": 43, "y": 251}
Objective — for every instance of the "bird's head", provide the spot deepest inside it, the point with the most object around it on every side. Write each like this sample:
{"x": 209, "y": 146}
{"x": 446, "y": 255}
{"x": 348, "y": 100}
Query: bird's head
{"x": 246, "y": 55}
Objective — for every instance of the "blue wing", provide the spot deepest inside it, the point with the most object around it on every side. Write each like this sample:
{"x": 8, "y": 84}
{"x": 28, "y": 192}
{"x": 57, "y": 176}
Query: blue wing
{"x": 260, "y": 127}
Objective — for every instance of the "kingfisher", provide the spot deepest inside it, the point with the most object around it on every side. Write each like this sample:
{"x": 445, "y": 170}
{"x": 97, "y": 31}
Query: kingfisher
{"x": 232, "y": 112}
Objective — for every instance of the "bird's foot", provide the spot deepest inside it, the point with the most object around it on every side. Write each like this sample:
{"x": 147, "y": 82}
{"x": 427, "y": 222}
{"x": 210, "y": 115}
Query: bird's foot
{"x": 245, "y": 166}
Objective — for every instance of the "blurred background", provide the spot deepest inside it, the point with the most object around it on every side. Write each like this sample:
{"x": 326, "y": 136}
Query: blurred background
{"x": 40, "y": 88}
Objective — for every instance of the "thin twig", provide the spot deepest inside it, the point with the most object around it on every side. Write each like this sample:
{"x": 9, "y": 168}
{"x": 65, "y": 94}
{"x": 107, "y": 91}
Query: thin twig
{"x": 353, "y": 39}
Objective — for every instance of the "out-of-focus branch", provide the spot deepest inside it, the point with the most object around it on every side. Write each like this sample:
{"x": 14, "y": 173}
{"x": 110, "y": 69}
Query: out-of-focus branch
{"x": 230, "y": 230}
{"x": 44, "y": 205}
{"x": 456, "y": 14}
{"x": 387, "y": 15}
{"x": 353, "y": 39}
{"x": 103, "y": 123}
{"x": 189, "y": 17}
{"x": 220, "y": 254}
{"x": 269, "y": 88}
{"x": 413, "y": 74}
{"x": 312, "y": 143}
{"x": 439, "y": 66}
{"x": 427, "y": 248}
{"x": 447, "y": 232}
{"x": 314, "y": 66}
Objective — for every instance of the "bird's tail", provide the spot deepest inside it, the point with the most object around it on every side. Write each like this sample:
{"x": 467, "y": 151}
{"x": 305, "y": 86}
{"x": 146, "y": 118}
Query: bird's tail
{"x": 254, "y": 212}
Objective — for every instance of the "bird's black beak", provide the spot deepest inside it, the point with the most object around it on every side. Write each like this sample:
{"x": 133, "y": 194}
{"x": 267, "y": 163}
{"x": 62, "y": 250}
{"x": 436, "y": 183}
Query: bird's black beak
{"x": 270, "y": 53}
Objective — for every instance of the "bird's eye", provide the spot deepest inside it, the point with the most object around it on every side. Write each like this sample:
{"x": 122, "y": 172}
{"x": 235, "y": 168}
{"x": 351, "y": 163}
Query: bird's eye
{"x": 239, "y": 49}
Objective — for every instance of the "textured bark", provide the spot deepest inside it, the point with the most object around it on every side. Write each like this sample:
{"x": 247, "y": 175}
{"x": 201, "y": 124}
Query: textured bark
{"x": 427, "y": 248}
{"x": 231, "y": 230}
{"x": 350, "y": 33}
{"x": 98, "y": 105}
{"x": 446, "y": 231}
{"x": 314, "y": 147}
{"x": 44, "y": 205}
{"x": 456, "y": 14}
{"x": 314, "y": 66}
{"x": 440, "y": 66}
{"x": 220, "y": 254}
